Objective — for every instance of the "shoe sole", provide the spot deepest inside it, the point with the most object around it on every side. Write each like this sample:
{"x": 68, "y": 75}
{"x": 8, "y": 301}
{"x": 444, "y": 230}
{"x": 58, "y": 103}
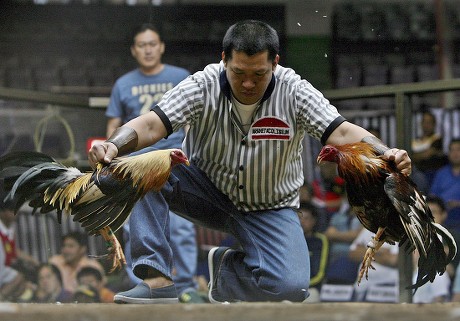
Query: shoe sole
{"x": 121, "y": 299}
{"x": 211, "y": 274}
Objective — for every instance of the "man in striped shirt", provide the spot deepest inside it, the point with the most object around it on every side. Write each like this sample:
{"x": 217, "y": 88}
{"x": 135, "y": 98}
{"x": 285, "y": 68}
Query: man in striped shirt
{"x": 247, "y": 117}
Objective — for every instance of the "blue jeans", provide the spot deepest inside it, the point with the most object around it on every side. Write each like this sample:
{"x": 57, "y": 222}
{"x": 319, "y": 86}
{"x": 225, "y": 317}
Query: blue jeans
{"x": 183, "y": 244}
{"x": 274, "y": 262}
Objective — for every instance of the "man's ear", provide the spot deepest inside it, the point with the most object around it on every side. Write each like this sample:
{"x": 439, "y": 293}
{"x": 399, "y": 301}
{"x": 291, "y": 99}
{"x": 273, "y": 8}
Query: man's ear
{"x": 223, "y": 59}
{"x": 275, "y": 62}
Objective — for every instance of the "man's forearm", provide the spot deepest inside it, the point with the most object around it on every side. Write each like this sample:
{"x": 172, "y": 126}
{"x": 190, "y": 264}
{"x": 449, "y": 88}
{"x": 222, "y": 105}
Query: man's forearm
{"x": 125, "y": 139}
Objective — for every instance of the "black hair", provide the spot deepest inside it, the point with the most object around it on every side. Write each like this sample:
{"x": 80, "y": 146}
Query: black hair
{"x": 430, "y": 114}
{"x": 454, "y": 140}
{"x": 144, "y": 27}
{"x": 309, "y": 207}
{"x": 81, "y": 238}
{"x": 89, "y": 270}
{"x": 5, "y": 205}
{"x": 251, "y": 37}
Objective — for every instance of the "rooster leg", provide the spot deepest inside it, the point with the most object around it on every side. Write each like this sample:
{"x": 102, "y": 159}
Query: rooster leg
{"x": 372, "y": 247}
{"x": 113, "y": 247}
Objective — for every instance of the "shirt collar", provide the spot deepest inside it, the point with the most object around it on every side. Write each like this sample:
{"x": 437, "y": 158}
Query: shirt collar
{"x": 225, "y": 87}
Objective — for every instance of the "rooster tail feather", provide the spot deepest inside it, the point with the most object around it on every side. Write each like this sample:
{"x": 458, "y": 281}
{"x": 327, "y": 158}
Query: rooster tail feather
{"x": 448, "y": 239}
{"x": 35, "y": 177}
{"x": 25, "y": 159}
{"x": 436, "y": 259}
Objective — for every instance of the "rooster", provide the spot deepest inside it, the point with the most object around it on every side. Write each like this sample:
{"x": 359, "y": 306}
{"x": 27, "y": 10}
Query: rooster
{"x": 389, "y": 204}
{"x": 100, "y": 201}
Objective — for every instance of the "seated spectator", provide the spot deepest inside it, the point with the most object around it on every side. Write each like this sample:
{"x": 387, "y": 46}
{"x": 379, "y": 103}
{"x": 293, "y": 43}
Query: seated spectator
{"x": 49, "y": 286}
{"x": 73, "y": 258}
{"x": 343, "y": 229}
{"x": 90, "y": 276}
{"x": 17, "y": 258}
{"x": 13, "y": 283}
{"x": 383, "y": 282}
{"x": 318, "y": 246}
{"x": 446, "y": 185}
{"x": 427, "y": 150}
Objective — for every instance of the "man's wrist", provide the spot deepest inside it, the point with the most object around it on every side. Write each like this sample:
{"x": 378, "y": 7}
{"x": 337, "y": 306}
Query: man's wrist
{"x": 376, "y": 143}
{"x": 125, "y": 139}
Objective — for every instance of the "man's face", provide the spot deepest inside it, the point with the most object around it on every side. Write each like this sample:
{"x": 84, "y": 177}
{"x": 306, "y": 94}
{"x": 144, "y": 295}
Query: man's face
{"x": 249, "y": 76}
{"x": 47, "y": 281}
{"x": 7, "y": 216}
{"x": 147, "y": 50}
{"x": 428, "y": 124}
{"x": 72, "y": 251}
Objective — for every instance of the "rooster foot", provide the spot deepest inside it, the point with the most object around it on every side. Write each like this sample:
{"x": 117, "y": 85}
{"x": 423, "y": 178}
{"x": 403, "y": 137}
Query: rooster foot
{"x": 114, "y": 248}
{"x": 372, "y": 247}
{"x": 367, "y": 262}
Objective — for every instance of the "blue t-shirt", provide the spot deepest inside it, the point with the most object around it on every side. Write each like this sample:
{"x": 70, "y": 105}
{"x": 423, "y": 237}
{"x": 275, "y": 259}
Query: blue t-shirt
{"x": 446, "y": 185}
{"x": 135, "y": 94}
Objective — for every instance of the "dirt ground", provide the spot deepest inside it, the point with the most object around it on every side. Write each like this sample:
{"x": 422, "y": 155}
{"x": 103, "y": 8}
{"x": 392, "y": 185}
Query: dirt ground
{"x": 239, "y": 312}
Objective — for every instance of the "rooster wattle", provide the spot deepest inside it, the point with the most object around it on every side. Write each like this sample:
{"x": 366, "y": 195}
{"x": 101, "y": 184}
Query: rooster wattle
{"x": 100, "y": 201}
{"x": 389, "y": 204}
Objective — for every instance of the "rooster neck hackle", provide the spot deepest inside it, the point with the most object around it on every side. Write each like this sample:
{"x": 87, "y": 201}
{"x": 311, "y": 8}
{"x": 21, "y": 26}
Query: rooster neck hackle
{"x": 148, "y": 171}
{"x": 358, "y": 163}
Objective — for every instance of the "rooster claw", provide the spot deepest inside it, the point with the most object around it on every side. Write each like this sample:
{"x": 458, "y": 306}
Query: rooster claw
{"x": 114, "y": 249}
{"x": 118, "y": 258}
{"x": 367, "y": 263}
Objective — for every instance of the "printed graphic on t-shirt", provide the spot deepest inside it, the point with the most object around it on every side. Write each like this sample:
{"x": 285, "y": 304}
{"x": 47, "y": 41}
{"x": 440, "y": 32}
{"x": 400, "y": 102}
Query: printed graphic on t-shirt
{"x": 270, "y": 128}
{"x": 150, "y": 94}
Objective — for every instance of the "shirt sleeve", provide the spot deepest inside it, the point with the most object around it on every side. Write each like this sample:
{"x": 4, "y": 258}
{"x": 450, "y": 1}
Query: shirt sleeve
{"x": 182, "y": 104}
{"x": 114, "y": 110}
{"x": 317, "y": 115}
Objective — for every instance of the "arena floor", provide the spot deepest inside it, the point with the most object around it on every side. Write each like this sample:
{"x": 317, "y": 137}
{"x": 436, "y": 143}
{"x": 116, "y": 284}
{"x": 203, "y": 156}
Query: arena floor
{"x": 237, "y": 312}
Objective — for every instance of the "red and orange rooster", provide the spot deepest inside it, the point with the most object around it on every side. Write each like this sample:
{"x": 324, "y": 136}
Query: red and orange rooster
{"x": 100, "y": 201}
{"x": 388, "y": 204}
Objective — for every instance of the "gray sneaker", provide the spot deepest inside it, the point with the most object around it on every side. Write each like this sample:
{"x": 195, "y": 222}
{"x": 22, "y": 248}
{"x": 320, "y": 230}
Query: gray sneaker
{"x": 215, "y": 257}
{"x": 143, "y": 294}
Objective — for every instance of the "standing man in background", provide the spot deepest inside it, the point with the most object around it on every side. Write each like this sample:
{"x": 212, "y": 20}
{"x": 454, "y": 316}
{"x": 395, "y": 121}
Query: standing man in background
{"x": 134, "y": 94}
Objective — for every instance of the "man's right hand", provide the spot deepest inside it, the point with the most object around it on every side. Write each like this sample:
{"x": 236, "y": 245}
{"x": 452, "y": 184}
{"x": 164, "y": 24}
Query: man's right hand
{"x": 102, "y": 153}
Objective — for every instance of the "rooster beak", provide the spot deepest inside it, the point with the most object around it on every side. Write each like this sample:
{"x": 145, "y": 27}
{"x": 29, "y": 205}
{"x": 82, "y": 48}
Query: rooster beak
{"x": 187, "y": 162}
{"x": 319, "y": 159}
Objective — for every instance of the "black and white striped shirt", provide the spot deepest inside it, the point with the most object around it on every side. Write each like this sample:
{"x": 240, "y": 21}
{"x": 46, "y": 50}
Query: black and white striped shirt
{"x": 263, "y": 168}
